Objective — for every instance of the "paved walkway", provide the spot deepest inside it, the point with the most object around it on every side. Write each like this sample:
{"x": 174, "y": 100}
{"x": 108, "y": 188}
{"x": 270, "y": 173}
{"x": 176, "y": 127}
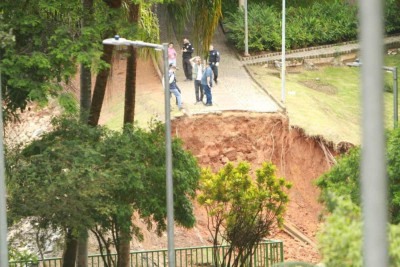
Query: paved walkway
{"x": 236, "y": 91}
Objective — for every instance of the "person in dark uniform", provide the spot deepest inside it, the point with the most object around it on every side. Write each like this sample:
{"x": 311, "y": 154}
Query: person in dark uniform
{"x": 187, "y": 50}
{"x": 213, "y": 60}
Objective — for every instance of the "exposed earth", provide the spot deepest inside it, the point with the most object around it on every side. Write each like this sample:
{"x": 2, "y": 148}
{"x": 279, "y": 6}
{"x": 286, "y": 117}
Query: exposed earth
{"x": 216, "y": 139}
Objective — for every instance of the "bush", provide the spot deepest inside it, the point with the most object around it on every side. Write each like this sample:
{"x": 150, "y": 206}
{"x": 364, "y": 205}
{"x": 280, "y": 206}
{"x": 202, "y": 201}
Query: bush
{"x": 392, "y": 18}
{"x": 317, "y": 23}
{"x": 264, "y": 28}
{"x": 344, "y": 178}
{"x": 340, "y": 238}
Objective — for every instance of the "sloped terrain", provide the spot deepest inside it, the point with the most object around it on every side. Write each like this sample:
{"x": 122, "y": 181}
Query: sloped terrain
{"x": 217, "y": 138}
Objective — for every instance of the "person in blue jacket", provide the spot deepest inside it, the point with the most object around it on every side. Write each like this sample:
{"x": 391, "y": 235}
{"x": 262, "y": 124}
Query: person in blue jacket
{"x": 206, "y": 82}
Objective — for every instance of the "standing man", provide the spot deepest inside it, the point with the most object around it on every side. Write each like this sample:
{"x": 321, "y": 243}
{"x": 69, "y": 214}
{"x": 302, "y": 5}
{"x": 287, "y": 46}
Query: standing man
{"x": 187, "y": 50}
{"x": 206, "y": 81}
{"x": 213, "y": 60}
{"x": 197, "y": 75}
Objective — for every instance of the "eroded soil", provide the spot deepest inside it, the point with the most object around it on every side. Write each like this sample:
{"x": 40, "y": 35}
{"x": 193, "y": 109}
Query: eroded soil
{"x": 256, "y": 138}
{"x": 216, "y": 139}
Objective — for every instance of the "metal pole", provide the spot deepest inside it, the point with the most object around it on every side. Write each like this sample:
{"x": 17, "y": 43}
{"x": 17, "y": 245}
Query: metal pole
{"x": 3, "y": 210}
{"x": 283, "y": 67}
{"x": 395, "y": 98}
{"x": 246, "y": 31}
{"x": 373, "y": 168}
{"x": 168, "y": 145}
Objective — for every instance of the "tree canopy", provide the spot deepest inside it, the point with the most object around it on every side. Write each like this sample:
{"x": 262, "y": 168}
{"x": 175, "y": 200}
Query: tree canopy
{"x": 80, "y": 177}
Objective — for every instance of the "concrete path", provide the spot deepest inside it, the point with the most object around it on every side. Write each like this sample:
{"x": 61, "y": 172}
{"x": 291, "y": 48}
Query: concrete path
{"x": 236, "y": 91}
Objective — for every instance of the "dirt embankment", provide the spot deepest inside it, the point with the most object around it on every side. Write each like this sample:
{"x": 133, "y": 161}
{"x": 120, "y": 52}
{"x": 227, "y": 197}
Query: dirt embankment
{"x": 216, "y": 139}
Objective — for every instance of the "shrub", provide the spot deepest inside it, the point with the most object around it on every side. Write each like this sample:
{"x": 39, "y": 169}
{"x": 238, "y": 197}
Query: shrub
{"x": 308, "y": 23}
{"x": 344, "y": 178}
{"x": 340, "y": 238}
{"x": 264, "y": 25}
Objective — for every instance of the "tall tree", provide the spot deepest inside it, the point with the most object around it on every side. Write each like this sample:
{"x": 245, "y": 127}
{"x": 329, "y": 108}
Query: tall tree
{"x": 85, "y": 70}
{"x": 102, "y": 77}
{"x": 131, "y": 68}
{"x": 80, "y": 177}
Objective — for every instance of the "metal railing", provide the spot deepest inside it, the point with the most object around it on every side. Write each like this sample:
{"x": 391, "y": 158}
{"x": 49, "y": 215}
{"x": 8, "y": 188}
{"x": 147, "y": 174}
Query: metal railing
{"x": 267, "y": 254}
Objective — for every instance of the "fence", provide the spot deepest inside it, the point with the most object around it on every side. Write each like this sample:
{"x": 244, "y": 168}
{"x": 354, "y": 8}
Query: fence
{"x": 266, "y": 255}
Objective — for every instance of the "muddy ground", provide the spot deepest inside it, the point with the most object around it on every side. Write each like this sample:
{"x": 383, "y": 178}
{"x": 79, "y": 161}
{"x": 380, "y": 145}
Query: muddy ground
{"x": 216, "y": 139}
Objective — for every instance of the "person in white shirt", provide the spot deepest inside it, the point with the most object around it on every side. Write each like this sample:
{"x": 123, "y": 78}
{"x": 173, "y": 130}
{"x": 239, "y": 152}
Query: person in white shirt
{"x": 197, "y": 75}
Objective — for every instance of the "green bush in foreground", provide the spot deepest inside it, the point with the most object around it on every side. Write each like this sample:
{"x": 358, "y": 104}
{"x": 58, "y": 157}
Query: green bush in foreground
{"x": 344, "y": 178}
{"x": 340, "y": 239}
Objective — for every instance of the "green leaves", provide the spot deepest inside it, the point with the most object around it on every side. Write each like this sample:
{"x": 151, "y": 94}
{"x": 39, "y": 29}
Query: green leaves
{"x": 310, "y": 24}
{"x": 242, "y": 210}
{"x": 81, "y": 177}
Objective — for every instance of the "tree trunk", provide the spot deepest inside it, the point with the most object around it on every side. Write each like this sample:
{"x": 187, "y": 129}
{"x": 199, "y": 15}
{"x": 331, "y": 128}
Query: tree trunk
{"x": 86, "y": 92}
{"x": 71, "y": 245}
{"x": 130, "y": 86}
{"x": 113, "y": 3}
{"x": 124, "y": 249}
{"x": 131, "y": 68}
{"x": 86, "y": 75}
{"x": 100, "y": 87}
{"x": 102, "y": 77}
{"x": 83, "y": 252}
{"x": 241, "y": 3}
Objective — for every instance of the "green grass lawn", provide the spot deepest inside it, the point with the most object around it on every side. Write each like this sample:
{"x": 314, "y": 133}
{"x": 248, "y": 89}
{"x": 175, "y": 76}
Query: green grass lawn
{"x": 326, "y": 101}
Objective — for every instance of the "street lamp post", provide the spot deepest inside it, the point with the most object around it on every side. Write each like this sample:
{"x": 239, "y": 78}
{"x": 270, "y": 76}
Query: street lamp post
{"x": 3, "y": 209}
{"x": 168, "y": 140}
{"x": 283, "y": 65}
{"x": 246, "y": 31}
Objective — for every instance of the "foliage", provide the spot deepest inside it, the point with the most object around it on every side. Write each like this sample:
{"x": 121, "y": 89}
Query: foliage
{"x": 203, "y": 17}
{"x": 68, "y": 102}
{"x": 263, "y": 24}
{"x": 392, "y": 19}
{"x": 323, "y": 22}
{"x": 343, "y": 179}
{"x": 7, "y": 37}
{"x": 17, "y": 255}
{"x": 241, "y": 211}
{"x": 340, "y": 239}
{"x": 48, "y": 45}
{"x": 206, "y": 18}
{"x": 80, "y": 177}
{"x": 55, "y": 179}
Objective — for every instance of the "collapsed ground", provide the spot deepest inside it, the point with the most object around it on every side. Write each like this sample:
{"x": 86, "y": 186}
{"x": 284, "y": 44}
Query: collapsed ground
{"x": 216, "y": 139}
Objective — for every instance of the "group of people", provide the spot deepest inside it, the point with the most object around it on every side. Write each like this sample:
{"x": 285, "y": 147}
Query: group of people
{"x": 202, "y": 74}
